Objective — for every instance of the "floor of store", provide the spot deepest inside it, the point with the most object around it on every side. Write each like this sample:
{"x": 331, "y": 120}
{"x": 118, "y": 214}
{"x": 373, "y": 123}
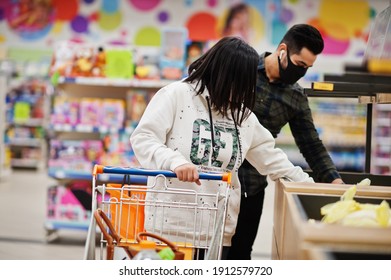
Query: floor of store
{"x": 23, "y": 212}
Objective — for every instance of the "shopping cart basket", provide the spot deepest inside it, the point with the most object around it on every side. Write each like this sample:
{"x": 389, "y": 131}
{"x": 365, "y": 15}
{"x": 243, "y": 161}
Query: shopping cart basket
{"x": 113, "y": 240}
{"x": 192, "y": 219}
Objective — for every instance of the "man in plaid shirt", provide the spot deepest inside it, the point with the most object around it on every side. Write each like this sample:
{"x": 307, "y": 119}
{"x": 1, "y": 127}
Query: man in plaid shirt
{"x": 281, "y": 100}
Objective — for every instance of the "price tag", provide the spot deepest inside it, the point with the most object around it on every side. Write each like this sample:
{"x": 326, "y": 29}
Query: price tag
{"x": 323, "y": 86}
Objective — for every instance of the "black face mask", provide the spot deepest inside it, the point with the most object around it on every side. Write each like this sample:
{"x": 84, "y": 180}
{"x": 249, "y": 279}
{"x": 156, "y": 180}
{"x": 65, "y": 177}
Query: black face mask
{"x": 292, "y": 73}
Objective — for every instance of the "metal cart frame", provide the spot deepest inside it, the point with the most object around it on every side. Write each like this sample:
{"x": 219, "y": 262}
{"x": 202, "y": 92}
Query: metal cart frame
{"x": 197, "y": 219}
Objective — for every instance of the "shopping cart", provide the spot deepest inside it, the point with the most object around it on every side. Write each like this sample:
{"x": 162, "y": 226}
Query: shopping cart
{"x": 192, "y": 219}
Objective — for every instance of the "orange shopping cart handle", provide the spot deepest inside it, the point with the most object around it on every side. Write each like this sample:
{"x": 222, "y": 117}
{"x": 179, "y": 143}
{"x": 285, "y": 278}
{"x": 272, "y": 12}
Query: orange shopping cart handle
{"x": 99, "y": 169}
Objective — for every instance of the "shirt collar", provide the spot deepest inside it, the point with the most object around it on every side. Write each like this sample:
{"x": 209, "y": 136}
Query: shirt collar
{"x": 261, "y": 64}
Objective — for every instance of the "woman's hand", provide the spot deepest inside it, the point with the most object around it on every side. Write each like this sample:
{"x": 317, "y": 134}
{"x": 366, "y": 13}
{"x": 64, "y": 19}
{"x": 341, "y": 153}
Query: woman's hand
{"x": 187, "y": 173}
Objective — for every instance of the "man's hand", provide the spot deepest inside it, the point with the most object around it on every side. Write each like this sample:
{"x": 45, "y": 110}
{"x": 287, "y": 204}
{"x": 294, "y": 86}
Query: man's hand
{"x": 187, "y": 173}
{"x": 337, "y": 181}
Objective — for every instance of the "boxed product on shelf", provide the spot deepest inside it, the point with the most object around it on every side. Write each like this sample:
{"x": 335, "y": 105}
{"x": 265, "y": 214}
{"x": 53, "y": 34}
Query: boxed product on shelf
{"x": 26, "y": 101}
{"x": 21, "y": 111}
{"x": 168, "y": 61}
{"x": 78, "y": 60}
{"x": 112, "y": 113}
{"x": 95, "y": 113}
{"x": 83, "y": 63}
{"x": 93, "y": 150}
{"x": 25, "y": 133}
{"x": 119, "y": 63}
{"x": 194, "y": 50}
{"x": 20, "y": 132}
{"x": 118, "y": 150}
{"x": 173, "y": 53}
{"x": 136, "y": 104}
{"x": 111, "y": 142}
{"x": 86, "y": 60}
{"x": 65, "y": 110}
{"x": 69, "y": 205}
{"x": 146, "y": 63}
{"x": 90, "y": 111}
{"x": 126, "y": 159}
{"x": 62, "y": 60}
{"x": 78, "y": 156}
{"x": 28, "y": 153}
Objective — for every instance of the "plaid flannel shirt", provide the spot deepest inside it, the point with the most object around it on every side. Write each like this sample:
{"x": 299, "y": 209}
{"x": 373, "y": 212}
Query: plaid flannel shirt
{"x": 276, "y": 105}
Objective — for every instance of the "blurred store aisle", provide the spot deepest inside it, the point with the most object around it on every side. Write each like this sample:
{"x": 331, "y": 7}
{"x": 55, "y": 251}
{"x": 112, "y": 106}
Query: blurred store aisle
{"x": 23, "y": 213}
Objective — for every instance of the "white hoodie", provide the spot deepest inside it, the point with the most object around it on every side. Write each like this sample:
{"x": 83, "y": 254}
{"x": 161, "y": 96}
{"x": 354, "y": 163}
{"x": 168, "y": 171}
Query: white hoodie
{"x": 175, "y": 129}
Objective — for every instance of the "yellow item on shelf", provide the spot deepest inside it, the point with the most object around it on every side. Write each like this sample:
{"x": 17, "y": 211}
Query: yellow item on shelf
{"x": 379, "y": 65}
{"x": 383, "y": 214}
{"x": 335, "y": 212}
{"x": 349, "y": 212}
{"x": 323, "y": 86}
{"x": 349, "y": 194}
{"x": 365, "y": 182}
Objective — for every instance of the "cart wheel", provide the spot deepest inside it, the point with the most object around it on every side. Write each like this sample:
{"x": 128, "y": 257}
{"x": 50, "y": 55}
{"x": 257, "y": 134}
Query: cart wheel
{"x": 51, "y": 235}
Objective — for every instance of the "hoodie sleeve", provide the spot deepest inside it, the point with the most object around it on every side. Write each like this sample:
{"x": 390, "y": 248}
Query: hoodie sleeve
{"x": 148, "y": 140}
{"x": 272, "y": 161}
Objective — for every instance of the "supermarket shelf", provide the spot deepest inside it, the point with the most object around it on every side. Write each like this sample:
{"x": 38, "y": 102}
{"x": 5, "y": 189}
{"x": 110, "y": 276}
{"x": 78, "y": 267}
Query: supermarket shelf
{"x": 364, "y": 87}
{"x": 33, "y": 122}
{"x": 115, "y": 82}
{"x": 359, "y": 77}
{"x": 349, "y": 88}
{"x": 25, "y": 129}
{"x": 4, "y": 160}
{"x": 26, "y": 163}
{"x": 88, "y": 128}
{"x": 56, "y": 225}
{"x": 26, "y": 142}
{"x": 77, "y": 134}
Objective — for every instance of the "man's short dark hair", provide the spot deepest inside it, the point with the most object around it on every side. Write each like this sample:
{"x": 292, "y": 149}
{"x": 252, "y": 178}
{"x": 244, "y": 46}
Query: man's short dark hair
{"x": 303, "y": 35}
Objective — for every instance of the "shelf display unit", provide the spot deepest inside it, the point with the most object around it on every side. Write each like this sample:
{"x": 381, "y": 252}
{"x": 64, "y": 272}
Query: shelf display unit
{"x": 26, "y": 116}
{"x": 341, "y": 127}
{"x": 5, "y": 166}
{"x": 381, "y": 147}
{"x": 100, "y": 94}
{"x": 371, "y": 90}
{"x": 90, "y": 123}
